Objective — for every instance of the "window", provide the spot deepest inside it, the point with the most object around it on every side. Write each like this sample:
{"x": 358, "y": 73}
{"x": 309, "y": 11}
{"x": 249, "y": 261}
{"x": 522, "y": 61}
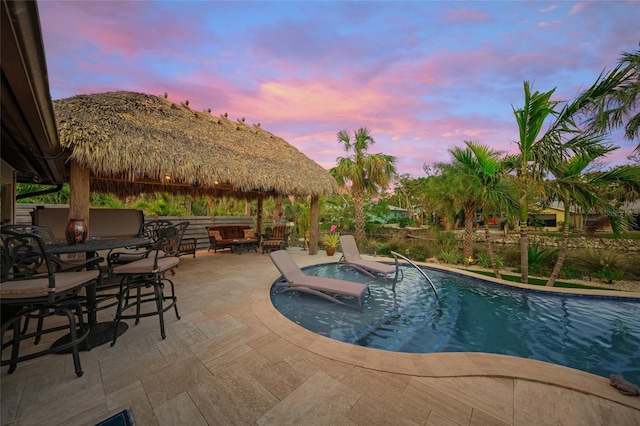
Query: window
{"x": 544, "y": 220}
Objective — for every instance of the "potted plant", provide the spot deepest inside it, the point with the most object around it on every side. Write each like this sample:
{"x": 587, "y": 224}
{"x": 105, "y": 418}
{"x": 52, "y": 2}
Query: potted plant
{"x": 331, "y": 242}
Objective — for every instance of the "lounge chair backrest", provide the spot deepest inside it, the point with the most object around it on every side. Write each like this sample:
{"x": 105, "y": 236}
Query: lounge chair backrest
{"x": 285, "y": 264}
{"x": 349, "y": 247}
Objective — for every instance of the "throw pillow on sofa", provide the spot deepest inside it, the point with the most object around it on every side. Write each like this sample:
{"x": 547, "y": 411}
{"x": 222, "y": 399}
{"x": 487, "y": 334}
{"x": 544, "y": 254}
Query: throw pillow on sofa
{"x": 248, "y": 233}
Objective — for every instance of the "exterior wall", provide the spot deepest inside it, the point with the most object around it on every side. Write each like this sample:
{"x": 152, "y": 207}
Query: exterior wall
{"x": 397, "y": 213}
{"x": 576, "y": 220}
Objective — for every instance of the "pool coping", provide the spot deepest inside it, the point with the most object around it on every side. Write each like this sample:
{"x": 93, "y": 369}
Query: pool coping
{"x": 444, "y": 364}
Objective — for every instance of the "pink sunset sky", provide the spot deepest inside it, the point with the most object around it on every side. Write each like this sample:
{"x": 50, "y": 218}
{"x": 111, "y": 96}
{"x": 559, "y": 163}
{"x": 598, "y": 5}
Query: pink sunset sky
{"x": 422, "y": 76}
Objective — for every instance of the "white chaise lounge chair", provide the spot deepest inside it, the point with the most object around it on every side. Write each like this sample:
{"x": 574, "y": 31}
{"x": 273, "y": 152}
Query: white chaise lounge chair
{"x": 351, "y": 258}
{"x": 296, "y": 280}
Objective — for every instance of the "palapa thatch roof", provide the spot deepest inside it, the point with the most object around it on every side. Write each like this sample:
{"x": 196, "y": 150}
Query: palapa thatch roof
{"x": 134, "y": 143}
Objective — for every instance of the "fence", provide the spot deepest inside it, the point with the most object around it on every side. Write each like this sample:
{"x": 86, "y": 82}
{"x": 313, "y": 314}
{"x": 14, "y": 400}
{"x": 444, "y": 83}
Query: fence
{"x": 197, "y": 224}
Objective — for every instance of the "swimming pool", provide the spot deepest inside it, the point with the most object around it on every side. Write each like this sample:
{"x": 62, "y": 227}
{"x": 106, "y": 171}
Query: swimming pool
{"x": 594, "y": 334}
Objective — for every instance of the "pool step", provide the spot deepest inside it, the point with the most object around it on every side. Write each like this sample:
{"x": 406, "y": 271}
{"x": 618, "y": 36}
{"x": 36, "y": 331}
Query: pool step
{"x": 440, "y": 330}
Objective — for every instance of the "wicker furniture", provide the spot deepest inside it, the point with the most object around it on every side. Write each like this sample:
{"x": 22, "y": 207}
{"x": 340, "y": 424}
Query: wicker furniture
{"x": 228, "y": 236}
{"x": 275, "y": 239}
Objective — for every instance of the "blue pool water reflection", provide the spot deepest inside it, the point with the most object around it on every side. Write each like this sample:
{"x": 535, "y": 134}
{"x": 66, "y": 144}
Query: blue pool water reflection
{"x": 598, "y": 335}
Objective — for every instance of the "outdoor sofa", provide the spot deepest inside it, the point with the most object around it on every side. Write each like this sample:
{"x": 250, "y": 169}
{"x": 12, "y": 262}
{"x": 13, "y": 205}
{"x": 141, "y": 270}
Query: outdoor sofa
{"x": 226, "y": 236}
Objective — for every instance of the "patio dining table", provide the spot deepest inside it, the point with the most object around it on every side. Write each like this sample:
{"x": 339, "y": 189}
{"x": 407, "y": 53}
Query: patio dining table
{"x": 100, "y": 333}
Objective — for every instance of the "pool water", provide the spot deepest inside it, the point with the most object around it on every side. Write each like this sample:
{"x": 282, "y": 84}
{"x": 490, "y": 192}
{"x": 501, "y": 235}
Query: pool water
{"x": 594, "y": 334}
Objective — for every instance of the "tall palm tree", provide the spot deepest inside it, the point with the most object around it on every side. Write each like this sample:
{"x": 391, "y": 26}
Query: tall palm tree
{"x": 573, "y": 187}
{"x": 483, "y": 172}
{"x": 538, "y": 153}
{"x": 531, "y": 162}
{"x": 365, "y": 173}
{"x": 622, "y": 103}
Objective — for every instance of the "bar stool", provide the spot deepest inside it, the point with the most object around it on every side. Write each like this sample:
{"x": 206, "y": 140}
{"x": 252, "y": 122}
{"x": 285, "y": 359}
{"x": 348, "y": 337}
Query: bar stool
{"x": 146, "y": 274}
{"x": 30, "y": 284}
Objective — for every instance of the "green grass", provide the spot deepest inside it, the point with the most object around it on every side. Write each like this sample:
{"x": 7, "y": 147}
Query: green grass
{"x": 538, "y": 281}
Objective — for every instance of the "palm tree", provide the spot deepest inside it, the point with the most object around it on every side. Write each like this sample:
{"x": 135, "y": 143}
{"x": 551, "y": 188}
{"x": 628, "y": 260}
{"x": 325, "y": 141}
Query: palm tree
{"x": 622, "y": 102}
{"x": 466, "y": 193}
{"x": 573, "y": 187}
{"x": 365, "y": 173}
{"x": 562, "y": 139}
{"x": 530, "y": 163}
{"x": 482, "y": 175}
{"x": 298, "y": 211}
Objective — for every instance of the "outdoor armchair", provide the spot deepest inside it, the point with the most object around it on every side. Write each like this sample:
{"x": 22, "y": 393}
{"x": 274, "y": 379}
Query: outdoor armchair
{"x": 185, "y": 245}
{"x": 276, "y": 239}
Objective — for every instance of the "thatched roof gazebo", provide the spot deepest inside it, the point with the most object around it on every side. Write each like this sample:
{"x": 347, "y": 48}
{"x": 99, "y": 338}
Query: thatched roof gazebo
{"x": 127, "y": 143}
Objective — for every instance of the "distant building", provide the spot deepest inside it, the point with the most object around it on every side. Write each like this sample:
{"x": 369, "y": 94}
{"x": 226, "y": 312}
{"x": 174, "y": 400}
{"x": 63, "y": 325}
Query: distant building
{"x": 397, "y": 213}
{"x": 394, "y": 214}
{"x": 551, "y": 218}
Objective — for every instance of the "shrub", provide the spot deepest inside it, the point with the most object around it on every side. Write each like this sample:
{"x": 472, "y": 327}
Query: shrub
{"x": 537, "y": 224}
{"x": 511, "y": 257}
{"x": 570, "y": 273}
{"x": 371, "y": 226}
{"x": 417, "y": 253}
{"x": 396, "y": 242}
{"x": 540, "y": 259}
{"x": 421, "y": 249}
{"x": 370, "y": 246}
{"x": 451, "y": 256}
{"x": 609, "y": 274}
{"x": 383, "y": 249}
{"x": 485, "y": 261}
{"x": 446, "y": 239}
{"x": 603, "y": 264}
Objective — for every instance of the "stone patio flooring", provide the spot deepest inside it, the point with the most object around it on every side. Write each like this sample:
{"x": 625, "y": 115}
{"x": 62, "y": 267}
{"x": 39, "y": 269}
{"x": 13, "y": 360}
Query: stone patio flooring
{"x": 234, "y": 360}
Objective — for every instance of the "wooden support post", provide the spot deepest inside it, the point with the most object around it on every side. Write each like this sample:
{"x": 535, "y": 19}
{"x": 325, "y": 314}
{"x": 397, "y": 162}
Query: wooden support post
{"x": 259, "y": 218}
{"x": 314, "y": 225}
{"x": 79, "y": 193}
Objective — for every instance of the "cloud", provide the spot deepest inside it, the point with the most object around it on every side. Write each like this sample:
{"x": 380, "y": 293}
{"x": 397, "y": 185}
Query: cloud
{"x": 577, "y": 8}
{"x": 466, "y": 15}
{"x": 422, "y": 76}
